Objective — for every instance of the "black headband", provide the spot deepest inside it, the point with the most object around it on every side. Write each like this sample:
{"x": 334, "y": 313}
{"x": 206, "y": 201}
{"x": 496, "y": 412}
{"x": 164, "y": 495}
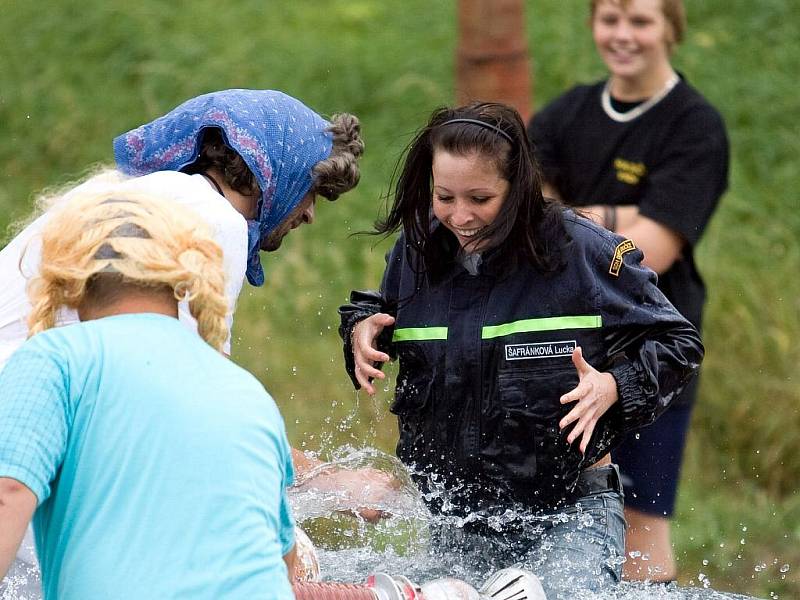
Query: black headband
{"x": 483, "y": 124}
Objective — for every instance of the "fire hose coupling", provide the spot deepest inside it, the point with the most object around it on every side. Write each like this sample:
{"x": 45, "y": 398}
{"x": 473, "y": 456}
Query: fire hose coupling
{"x": 506, "y": 584}
{"x": 513, "y": 584}
{"x": 387, "y": 587}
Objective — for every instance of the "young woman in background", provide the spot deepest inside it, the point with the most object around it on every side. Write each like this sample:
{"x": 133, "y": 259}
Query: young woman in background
{"x": 643, "y": 154}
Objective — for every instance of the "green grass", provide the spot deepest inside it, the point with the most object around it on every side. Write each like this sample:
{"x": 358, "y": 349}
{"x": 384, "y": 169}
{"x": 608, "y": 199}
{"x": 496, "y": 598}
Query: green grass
{"x": 74, "y": 74}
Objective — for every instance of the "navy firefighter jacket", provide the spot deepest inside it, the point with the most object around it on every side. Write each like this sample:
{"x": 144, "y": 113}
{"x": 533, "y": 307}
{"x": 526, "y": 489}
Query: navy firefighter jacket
{"x": 485, "y": 358}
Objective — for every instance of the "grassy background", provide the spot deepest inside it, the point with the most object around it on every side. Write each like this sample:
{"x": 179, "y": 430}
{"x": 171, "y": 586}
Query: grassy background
{"x": 74, "y": 74}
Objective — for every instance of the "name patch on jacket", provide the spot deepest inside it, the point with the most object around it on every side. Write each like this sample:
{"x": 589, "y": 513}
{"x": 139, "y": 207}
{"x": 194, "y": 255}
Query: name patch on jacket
{"x": 616, "y": 262}
{"x": 540, "y": 350}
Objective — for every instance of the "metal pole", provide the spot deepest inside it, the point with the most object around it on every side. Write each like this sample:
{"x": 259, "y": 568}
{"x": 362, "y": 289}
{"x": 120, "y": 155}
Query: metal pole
{"x": 492, "y": 60}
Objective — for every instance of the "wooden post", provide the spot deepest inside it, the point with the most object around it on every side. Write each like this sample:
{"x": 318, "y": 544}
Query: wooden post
{"x": 492, "y": 60}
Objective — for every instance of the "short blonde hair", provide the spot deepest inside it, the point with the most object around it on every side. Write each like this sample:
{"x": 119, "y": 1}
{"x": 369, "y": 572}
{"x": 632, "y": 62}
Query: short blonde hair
{"x": 137, "y": 239}
{"x": 673, "y": 11}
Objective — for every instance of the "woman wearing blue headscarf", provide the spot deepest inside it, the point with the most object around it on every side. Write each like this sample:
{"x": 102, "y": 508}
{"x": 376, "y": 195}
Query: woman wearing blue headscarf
{"x": 268, "y": 148}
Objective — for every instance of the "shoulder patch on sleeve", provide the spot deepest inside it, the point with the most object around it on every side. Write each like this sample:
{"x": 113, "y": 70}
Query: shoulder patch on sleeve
{"x": 616, "y": 262}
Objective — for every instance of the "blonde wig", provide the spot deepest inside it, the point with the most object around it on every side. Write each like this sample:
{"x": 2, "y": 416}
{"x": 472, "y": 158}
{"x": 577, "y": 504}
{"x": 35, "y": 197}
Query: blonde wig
{"x": 137, "y": 240}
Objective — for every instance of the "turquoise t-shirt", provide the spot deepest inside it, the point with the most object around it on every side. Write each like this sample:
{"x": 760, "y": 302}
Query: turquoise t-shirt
{"x": 160, "y": 466}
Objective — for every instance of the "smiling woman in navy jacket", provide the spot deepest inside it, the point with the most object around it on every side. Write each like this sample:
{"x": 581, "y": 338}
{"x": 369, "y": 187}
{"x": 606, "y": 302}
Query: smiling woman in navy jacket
{"x": 530, "y": 340}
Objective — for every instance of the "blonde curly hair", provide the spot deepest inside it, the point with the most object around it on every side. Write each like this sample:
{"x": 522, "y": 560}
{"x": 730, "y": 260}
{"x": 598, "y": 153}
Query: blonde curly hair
{"x": 117, "y": 237}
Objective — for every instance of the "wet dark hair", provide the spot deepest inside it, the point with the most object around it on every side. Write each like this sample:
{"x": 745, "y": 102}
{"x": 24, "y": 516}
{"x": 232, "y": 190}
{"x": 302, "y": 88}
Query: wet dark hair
{"x": 216, "y": 154}
{"x": 528, "y": 227}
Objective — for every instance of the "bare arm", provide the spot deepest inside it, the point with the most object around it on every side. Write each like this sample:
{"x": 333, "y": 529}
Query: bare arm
{"x": 290, "y": 558}
{"x": 303, "y": 463}
{"x": 17, "y": 504}
{"x": 661, "y": 245}
{"x": 363, "y": 487}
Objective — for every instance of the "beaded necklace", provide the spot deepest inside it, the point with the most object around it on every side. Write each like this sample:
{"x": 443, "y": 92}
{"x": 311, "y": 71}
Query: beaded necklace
{"x": 630, "y": 115}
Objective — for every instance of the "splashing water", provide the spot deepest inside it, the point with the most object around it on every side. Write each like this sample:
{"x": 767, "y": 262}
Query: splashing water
{"x": 23, "y": 582}
{"x": 350, "y": 548}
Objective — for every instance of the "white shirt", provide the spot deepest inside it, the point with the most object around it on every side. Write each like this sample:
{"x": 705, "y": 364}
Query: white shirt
{"x": 20, "y": 259}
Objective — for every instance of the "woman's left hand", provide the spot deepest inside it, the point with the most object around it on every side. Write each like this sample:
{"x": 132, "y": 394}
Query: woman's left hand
{"x": 595, "y": 393}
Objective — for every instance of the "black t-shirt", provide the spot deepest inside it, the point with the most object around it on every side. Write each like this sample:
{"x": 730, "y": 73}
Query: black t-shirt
{"x": 671, "y": 161}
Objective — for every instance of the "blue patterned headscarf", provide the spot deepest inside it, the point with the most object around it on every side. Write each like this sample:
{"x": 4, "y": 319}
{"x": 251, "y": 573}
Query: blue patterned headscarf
{"x": 278, "y": 137}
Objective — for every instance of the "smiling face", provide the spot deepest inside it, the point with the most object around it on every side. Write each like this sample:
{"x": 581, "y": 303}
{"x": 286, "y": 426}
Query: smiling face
{"x": 633, "y": 38}
{"x": 468, "y": 193}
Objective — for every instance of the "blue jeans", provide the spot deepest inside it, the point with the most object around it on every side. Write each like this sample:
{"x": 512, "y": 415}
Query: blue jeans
{"x": 578, "y": 547}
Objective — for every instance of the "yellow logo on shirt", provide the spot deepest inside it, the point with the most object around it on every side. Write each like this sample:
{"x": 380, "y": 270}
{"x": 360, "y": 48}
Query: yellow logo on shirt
{"x": 629, "y": 172}
{"x": 616, "y": 262}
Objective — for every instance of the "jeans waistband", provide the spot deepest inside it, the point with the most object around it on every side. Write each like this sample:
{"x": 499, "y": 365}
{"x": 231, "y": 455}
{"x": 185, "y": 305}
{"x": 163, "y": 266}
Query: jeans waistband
{"x": 598, "y": 480}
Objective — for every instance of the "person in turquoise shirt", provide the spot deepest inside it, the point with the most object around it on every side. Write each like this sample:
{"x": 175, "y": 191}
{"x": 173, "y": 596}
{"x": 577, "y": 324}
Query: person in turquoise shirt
{"x": 152, "y": 466}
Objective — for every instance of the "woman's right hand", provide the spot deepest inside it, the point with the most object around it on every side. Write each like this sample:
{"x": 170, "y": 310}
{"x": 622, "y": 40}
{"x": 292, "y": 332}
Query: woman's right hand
{"x": 365, "y": 351}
